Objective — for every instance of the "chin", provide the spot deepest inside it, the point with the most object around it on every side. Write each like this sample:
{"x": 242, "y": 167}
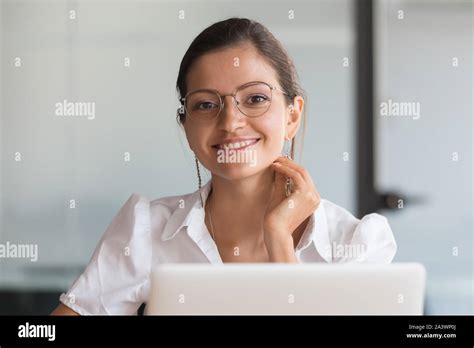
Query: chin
{"x": 236, "y": 171}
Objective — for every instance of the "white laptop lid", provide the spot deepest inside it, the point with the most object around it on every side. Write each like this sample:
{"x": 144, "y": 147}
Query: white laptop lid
{"x": 287, "y": 289}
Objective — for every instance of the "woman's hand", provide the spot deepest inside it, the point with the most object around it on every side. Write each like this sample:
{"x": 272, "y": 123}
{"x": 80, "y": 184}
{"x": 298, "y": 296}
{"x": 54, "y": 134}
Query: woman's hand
{"x": 284, "y": 214}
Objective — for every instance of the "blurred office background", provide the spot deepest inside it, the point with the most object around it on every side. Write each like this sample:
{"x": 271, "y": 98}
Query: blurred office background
{"x": 350, "y": 56}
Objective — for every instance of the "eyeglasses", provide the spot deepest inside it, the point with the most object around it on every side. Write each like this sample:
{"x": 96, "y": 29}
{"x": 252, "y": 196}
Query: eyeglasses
{"x": 252, "y": 99}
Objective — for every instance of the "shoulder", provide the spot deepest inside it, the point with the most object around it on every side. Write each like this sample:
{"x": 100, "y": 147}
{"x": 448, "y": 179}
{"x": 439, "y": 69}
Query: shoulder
{"x": 138, "y": 205}
{"x": 171, "y": 203}
{"x": 135, "y": 205}
{"x": 371, "y": 236}
{"x": 341, "y": 222}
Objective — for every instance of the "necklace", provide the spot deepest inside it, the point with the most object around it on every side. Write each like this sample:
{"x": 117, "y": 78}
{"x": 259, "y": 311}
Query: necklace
{"x": 210, "y": 219}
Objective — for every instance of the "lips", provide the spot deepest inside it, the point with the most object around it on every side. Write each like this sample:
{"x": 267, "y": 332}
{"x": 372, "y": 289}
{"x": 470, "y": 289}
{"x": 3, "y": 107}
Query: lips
{"x": 236, "y": 145}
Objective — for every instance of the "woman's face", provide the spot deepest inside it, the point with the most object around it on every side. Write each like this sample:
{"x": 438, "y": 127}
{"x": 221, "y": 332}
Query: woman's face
{"x": 218, "y": 143}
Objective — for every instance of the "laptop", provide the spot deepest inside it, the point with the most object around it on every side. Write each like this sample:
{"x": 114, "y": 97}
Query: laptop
{"x": 287, "y": 289}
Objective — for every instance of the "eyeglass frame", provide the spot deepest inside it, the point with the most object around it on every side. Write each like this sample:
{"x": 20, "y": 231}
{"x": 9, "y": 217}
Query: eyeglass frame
{"x": 233, "y": 95}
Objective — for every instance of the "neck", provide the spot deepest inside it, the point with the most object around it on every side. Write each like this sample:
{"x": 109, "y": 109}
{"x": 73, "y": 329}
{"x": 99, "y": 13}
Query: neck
{"x": 238, "y": 206}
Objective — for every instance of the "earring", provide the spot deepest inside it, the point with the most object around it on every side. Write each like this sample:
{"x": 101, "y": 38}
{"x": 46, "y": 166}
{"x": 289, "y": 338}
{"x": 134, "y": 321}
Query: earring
{"x": 198, "y": 172}
{"x": 288, "y": 149}
{"x": 288, "y": 185}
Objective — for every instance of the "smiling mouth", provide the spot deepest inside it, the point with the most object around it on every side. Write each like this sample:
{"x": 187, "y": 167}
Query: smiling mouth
{"x": 237, "y": 146}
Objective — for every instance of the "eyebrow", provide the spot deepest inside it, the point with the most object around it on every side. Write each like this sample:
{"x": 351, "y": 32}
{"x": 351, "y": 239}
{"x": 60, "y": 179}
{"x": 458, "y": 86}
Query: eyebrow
{"x": 273, "y": 84}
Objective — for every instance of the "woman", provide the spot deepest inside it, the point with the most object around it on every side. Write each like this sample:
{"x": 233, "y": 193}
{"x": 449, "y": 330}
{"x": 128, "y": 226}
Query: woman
{"x": 241, "y": 103}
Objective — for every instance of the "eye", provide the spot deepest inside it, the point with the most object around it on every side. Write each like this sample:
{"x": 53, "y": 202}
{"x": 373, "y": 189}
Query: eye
{"x": 205, "y": 106}
{"x": 257, "y": 99}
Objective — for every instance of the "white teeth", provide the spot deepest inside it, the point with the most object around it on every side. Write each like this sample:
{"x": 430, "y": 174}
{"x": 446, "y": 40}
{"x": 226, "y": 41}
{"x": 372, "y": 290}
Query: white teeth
{"x": 236, "y": 145}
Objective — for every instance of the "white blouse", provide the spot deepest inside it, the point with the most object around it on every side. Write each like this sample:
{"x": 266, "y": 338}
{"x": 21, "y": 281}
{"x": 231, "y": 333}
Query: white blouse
{"x": 172, "y": 230}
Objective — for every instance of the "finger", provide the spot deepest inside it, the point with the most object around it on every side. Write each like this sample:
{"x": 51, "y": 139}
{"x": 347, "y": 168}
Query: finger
{"x": 297, "y": 178}
{"x": 280, "y": 186}
{"x": 292, "y": 164}
{"x": 304, "y": 173}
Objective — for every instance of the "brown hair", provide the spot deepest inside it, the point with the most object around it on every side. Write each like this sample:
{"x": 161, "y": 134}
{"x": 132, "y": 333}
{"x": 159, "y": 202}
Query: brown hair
{"x": 235, "y": 31}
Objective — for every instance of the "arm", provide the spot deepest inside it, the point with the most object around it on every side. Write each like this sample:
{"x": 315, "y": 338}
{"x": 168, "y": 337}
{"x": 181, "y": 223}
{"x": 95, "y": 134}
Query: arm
{"x": 63, "y": 310}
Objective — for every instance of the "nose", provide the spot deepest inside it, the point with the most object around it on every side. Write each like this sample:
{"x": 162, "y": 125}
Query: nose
{"x": 230, "y": 117}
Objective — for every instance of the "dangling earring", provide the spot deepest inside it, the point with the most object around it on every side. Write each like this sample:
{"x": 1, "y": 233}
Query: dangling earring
{"x": 288, "y": 149}
{"x": 288, "y": 180}
{"x": 198, "y": 172}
